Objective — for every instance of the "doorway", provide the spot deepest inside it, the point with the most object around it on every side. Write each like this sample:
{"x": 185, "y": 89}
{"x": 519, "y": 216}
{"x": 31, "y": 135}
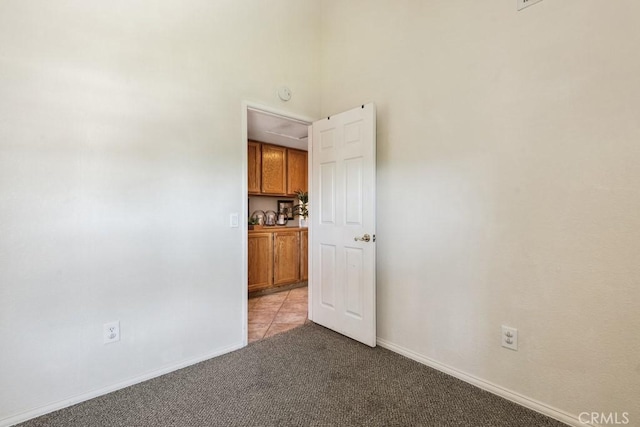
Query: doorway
{"x": 276, "y": 241}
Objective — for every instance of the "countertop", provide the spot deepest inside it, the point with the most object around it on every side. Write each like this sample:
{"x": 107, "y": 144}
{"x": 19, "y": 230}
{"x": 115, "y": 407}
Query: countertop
{"x": 274, "y": 228}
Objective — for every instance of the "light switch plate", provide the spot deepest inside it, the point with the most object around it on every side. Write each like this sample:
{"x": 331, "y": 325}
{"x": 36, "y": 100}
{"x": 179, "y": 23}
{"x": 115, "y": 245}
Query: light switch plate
{"x": 234, "y": 220}
{"x": 526, "y": 3}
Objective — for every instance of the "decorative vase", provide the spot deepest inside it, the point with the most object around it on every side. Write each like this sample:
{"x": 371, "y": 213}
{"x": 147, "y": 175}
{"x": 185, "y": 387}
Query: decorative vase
{"x": 302, "y": 222}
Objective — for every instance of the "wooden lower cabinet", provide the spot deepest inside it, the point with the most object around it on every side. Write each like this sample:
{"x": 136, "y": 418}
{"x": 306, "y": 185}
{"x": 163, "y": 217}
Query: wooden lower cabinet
{"x": 304, "y": 255}
{"x": 286, "y": 257}
{"x": 260, "y": 249}
{"x": 277, "y": 258}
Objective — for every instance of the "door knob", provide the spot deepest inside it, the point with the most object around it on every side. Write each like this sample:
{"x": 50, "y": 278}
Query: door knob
{"x": 365, "y": 238}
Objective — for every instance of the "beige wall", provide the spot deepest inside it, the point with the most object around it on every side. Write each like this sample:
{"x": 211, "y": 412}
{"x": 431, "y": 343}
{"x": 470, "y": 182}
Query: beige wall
{"x": 120, "y": 161}
{"x": 516, "y": 140}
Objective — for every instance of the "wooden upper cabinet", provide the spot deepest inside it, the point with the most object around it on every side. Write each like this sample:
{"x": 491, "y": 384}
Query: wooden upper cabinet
{"x": 296, "y": 171}
{"x": 254, "y": 166}
{"x": 260, "y": 251}
{"x": 274, "y": 173}
{"x": 275, "y": 170}
{"x": 304, "y": 255}
{"x": 286, "y": 261}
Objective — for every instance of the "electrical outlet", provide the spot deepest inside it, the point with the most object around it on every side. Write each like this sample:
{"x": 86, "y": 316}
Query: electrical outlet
{"x": 510, "y": 338}
{"x": 111, "y": 332}
{"x": 525, "y": 3}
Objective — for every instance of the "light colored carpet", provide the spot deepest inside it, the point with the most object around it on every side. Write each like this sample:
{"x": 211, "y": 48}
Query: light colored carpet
{"x": 309, "y": 376}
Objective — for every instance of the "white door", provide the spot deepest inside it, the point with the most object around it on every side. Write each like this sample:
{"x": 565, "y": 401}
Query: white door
{"x": 342, "y": 214}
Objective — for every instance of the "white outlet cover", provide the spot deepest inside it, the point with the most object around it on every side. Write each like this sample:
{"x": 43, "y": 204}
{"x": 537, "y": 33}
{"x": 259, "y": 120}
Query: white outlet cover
{"x": 526, "y": 3}
{"x": 510, "y": 338}
{"x": 111, "y": 332}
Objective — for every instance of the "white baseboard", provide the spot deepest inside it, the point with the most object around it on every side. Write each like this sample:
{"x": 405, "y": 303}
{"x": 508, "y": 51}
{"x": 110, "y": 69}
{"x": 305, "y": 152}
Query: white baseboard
{"x": 527, "y": 402}
{"x": 33, "y": 413}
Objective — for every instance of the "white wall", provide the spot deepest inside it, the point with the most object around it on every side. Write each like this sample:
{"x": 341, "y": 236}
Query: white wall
{"x": 121, "y": 154}
{"x": 515, "y": 136}
{"x": 121, "y": 159}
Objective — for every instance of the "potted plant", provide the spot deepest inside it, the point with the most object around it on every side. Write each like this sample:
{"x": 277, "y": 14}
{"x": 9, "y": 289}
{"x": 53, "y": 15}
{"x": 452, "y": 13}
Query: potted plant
{"x": 253, "y": 223}
{"x": 301, "y": 210}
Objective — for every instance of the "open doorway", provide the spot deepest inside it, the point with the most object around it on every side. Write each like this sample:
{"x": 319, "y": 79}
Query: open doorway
{"x": 277, "y": 192}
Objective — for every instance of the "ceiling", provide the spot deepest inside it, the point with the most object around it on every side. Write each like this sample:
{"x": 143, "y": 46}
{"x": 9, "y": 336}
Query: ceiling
{"x": 275, "y": 129}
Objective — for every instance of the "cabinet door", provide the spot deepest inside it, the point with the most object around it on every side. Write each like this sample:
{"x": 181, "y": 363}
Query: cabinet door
{"x": 274, "y": 174}
{"x": 286, "y": 268}
{"x": 254, "y": 162}
{"x": 304, "y": 255}
{"x": 296, "y": 171}
{"x": 260, "y": 254}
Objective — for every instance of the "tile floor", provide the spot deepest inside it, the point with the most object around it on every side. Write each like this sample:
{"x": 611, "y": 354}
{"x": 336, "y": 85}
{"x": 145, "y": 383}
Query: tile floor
{"x": 275, "y": 313}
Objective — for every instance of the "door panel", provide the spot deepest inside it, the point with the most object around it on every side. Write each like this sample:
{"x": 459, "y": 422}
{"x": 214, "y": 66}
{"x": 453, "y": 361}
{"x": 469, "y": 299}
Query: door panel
{"x": 327, "y": 139}
{"x": 327, "y": 190}
{"x": 354, "y": 282}
{"x": 342, "y": 212}
{"x": 353, "y": 172}
{"x": 327, "y": 280}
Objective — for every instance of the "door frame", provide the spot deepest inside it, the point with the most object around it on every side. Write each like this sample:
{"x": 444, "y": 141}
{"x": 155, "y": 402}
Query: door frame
{"x": 244, "y": 235}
